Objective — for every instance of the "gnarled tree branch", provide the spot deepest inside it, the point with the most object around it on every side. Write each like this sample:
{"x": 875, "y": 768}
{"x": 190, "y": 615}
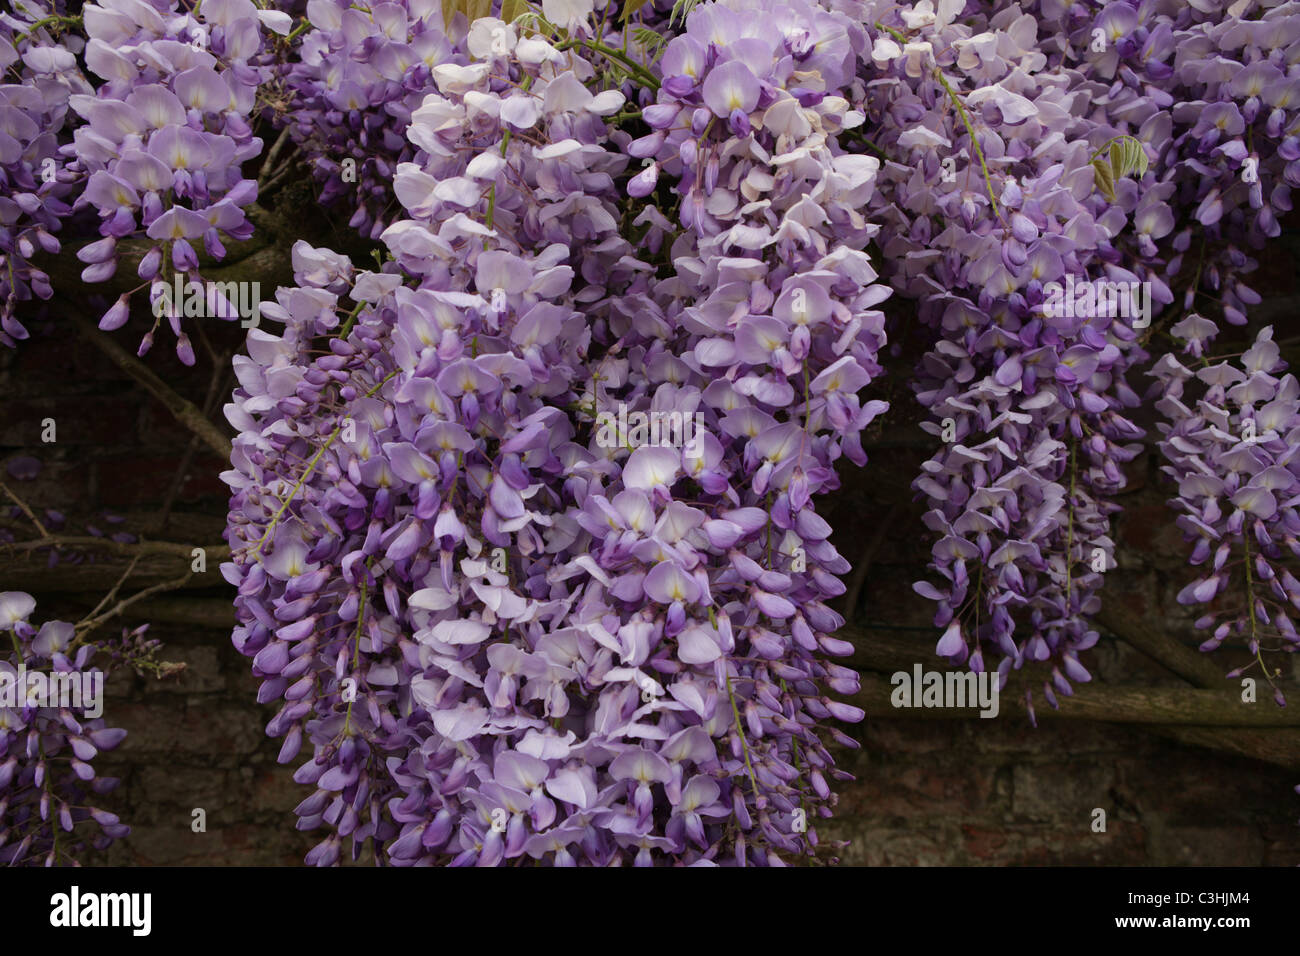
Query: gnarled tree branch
{"x": 185, "y": 411}
{"x": 1118, "y": 705}
{"x": 1212, "y": 716}
{"x": 1160, "y": 646}
{"x": 125, "y": 548}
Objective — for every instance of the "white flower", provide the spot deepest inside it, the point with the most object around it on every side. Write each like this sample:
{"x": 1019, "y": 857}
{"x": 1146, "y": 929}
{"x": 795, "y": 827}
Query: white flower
{"x": 1015, "y": 108}
{"x": 534, "y": 52}
{"x": 490, "y": 37}
{"x": 948, "y": 11}
{"x": 15, "y": 606}
{"x": 885, "y": 51}
{"x": 918, "y": 54}
{"x": 568, "y": 13}
{"x": 977, "y": 50}
{"x": 921, "y": 15}
{"x": 453, "y": 78}
{"x": 277, "y": 21}
{"x": 435, "y": 115}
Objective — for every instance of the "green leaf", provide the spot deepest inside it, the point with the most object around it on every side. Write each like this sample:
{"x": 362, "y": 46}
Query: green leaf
{"x": 477, "y": 9}
{"x": 680, "y": 9}
{"x": 530, "y": 23}
{"x": 1120, "y": 157}
{"x": 511, "y": 10}
{"x": 449, "y": 8}
{"x": 632, "y": 6}
{"x": 1127, "y": 157}
{"x": 652, "y": 43}
{"x": 1104, "y": 178}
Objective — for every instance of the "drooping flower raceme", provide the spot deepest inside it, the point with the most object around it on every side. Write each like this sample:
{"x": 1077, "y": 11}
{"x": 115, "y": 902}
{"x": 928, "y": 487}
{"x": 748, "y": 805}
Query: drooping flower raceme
{"x": 1230, "y": 440}
{"x": 992, "y": 206}
{"x": 34, "y": 185}
{"x": 145, "y": 122}
{"x": 48, "y": 787}
{"x": 512, "y": 621}
{"x": 561, "y": 651}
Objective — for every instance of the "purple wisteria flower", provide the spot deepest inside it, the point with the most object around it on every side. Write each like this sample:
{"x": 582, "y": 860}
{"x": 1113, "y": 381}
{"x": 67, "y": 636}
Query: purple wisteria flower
{"x": 48, "y": 787}
{"x": 1229, "y": 441}
{"x": 505, "y": 640}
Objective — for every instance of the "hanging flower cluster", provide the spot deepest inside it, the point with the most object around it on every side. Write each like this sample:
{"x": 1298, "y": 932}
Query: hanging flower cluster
{"x": 1046, "y": 292}
{"x": 565, "y": 645}
{"x": 166, "y": 132}
{"x": 992, "y": 222}
{"x": 1230, "y": 442}
{"x": 34, "y": 186}
{"x": 523, "y": 518}
{"x": 1213, "y": 91}
{"x": 354, "y": 85}
{"x": 48, "y": 786}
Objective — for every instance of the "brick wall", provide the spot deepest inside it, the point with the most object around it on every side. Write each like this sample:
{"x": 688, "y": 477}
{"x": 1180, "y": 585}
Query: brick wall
{"x": 195, "y": 741}
{"x": 199, "y": 742}
{"x": 975, "y": 791}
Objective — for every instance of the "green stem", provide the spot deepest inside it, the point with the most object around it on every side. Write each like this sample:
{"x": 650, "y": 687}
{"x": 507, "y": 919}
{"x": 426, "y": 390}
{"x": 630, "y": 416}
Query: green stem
{"x": 311, "y": 468}
{"x": 860, "y": 137}
{"x": 1250, "y": 606}
{"x": 51, "y": 21}
{"x": 974, "y": 142}
{"x": 961, "y": 110}
{"x": 744, "y": 746}
{"x": 735, "y": 713}
{"x": 892, "y": 32}
{"x": 505, "y": 143}
{"x": 634, "y": 68}
{"x": 768, "y": 529}
{"x": 352, "y": 317}
{"x": 798, "y": 764}
{"x": 54, "y": 813}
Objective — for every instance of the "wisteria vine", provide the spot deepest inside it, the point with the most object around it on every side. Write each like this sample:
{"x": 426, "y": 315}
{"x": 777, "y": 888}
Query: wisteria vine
{"x": 501, "y": 625}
